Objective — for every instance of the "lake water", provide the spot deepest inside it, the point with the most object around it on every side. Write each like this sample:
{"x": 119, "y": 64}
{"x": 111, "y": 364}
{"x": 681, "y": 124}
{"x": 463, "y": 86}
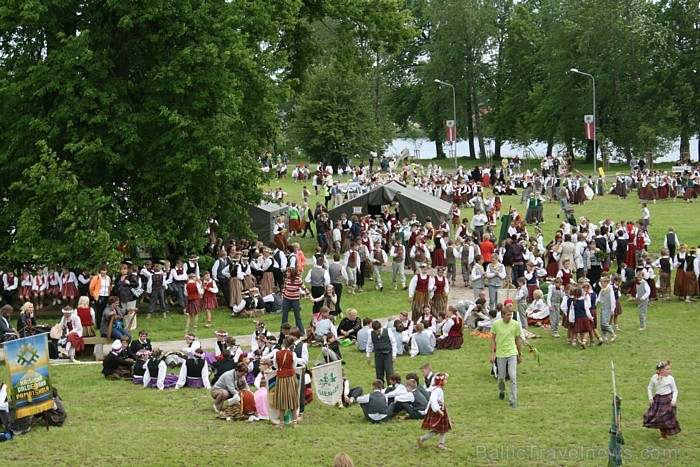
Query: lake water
{"x": 426, "y": 149}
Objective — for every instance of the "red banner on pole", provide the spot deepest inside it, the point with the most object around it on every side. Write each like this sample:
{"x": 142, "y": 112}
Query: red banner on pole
{"x": 451, "y": 131}
{"x": 589, "y": 125}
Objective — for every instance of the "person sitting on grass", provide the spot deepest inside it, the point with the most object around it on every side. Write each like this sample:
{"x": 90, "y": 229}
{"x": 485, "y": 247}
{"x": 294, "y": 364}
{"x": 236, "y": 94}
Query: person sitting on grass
{"x": 363, "y": 335}
{"x": 331, "y": 348}
{"x": 194, "y": 372}
{"x": 349, "y": 394}
{"x": 349, "y": 326}
{"x": 451, "y": 338}
{"x": 156, "y": 373}
{"x": 115, "y": 367}
{"x": 413, "y": 402}
{"x": 422, "y": 342}
{"x": 374, "y": 405}
{"x": 241, "y": 406}
{"x": 537, "y": 313}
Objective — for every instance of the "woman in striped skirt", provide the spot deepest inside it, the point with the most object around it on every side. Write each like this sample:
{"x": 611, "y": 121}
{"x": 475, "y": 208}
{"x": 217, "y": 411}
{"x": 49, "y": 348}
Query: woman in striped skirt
{"x": 286, "y": 394}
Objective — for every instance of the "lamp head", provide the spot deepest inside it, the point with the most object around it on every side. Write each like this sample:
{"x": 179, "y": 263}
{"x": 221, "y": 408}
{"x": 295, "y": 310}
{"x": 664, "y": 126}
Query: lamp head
{"x": 574, "y": 70}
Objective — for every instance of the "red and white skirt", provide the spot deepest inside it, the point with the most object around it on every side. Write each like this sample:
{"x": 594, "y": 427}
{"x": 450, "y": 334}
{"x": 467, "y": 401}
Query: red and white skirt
{"x": 193, "y": 306}
{"x": 69, "y": 290}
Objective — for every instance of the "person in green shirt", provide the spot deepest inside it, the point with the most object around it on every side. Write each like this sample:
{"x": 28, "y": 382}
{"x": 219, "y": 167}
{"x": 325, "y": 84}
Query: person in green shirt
{"x": 506, "y": 351}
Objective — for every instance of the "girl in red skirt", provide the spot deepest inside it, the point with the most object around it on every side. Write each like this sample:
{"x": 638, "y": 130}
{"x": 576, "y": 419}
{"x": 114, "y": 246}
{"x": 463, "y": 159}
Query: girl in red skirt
{"x": 451, "y": 338}
{"x": 194, "y": 292}
{"x": 663, "y": 394}
{"x": 209, "y": 299}
{"x": 437, "y": 420}
{"x": 69, "y": 285}
{"x": 579, "y": 316}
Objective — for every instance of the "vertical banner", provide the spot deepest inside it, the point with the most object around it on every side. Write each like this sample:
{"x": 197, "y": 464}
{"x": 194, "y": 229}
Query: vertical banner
{"x": 27, "y": 363}
{"x": 589, "y": 124}
{"x": 451, "y": 131}
{"x": 328, "y": 382}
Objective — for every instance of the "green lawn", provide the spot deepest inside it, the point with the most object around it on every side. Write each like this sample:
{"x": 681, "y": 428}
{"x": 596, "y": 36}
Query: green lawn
{"x": 562, "y": 419}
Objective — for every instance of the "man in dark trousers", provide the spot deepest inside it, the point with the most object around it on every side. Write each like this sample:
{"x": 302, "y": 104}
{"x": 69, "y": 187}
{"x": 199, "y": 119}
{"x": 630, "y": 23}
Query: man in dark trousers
{"x": 383, "y": 344}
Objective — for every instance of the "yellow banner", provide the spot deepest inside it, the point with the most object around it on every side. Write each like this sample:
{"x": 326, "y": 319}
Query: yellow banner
{"x": 601, "y": 172}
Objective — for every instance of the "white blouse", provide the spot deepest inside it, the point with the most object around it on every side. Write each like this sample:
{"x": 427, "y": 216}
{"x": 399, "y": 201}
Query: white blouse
{"x": 667, "y": 385}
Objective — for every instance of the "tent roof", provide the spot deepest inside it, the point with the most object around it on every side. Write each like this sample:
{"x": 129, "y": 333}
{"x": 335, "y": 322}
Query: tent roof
{"x": 410, "y": 200}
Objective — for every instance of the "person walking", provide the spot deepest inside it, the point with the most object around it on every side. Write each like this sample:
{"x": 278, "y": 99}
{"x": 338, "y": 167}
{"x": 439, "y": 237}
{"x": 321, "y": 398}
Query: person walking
{"x": 506, "y": 351}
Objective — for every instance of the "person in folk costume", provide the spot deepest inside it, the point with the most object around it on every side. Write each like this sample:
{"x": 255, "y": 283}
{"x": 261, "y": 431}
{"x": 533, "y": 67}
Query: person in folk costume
{"x": 671, "y": 242}
{"x": 351, "y": 261}
{"x": 194, "y": 373}
{"x": 420, "y": 252}
{"x": 280, "y": 233}
{"x": 438, "y": 256}
{"x": 397, "y": 253}
{"x": 246, "y": 271}
{"x": 194, "y": 292}
{"x": 53, "y": 289}
{"x": 592, "y": 298}
{"x": 366, "y": 249}
{"x": 72, "y": 339}
{"x": 440, "y": 291}
{"x": 221, "y": 273}
{"x": 427, "y": 319}
{"x": 606, "y": 299}
{"x": 663, "y": 397}
{"x": 650, "y": 277}
{"x": 115, "y": 367}
{"x": 9, "y": 287}
{"x": 537, "y": 313}
{"x": 690, "y": 284}
{"x": 419, "y": 291}
{"x": 242, "y": 406}
{"x": 616, "y": 282}
{"x": 532, "y": 274}
{"x": 456, "y": 216}
{"x": 345, "y": 226}
{"x": 495, "y": 273}
{"x": 69, "y": 285}
{"x": 25, "y": 291}
{"x": 679, "y": 264}
{"x": 86, "y": 314}
{"x": 580, "y": 317}
{"x": 451, "y": 338}
{"x": 156, "y": 374}
{"x": 565, "y": 273}
{"x": 265, "y": 263}
{"x": 40, "y": 285}
{"x": 84, "y": 279}
{"x": 286, "y": 395}
{"x": 436, "y": 420}
{"x": 209, "y": 301}
{"x": 631, "y": 255}
{"x": 379, "y": 261}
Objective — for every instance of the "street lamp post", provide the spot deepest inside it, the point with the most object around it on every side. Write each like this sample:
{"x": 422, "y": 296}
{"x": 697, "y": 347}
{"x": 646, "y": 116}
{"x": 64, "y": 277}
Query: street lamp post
{"x": 454, "y": 116}
{"x": 595, "y": 156}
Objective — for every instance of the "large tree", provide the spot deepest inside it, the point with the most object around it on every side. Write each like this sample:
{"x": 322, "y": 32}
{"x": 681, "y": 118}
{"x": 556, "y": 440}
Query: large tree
{"x": 158, "y": 106}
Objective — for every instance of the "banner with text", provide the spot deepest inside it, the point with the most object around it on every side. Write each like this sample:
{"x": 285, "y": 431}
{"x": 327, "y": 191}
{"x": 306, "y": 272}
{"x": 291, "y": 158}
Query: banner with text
{"x": 328, "y": 382}
{"x": 27, "y": 363}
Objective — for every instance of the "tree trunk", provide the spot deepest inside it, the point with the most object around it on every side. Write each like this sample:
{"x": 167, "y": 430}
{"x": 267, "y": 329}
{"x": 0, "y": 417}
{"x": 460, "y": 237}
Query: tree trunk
{"x": 570, "y": 147}
{"x": 497, "y": 150}
{"x": 550, "y": 147}
{"x": 470, "y": 129}
{"x": 685, "y": 146}
{"x": 438, "y": 149}
{"x": 477, "y": 124}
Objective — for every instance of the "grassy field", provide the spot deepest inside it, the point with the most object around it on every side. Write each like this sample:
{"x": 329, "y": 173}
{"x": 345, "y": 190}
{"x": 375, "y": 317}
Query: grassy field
{"x": 562, "y": 419}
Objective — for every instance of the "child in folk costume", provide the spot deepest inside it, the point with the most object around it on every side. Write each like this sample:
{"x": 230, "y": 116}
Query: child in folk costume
{"x": 194, "y": 292}
{"x": 679, "y": 264}
{"x": 39, "y": 287}
{"x": 54, "y": 286}
{"x": 209, "y": 297}
{"x": 642, "y": 298}
{"x": 538, "y": 313}
{"x": 437, "y": 256}
{"x": 379, "y": 261}
{"x": 456, "y": 216}
{"x": 25, "y": 291}
{"x": 194, "y": 373}
{"x": 690, "y": 284}
{"x": 352, "y": 266}
{"x": 477, "y": 276}
{"x": 241, "y": 406}
{"x": 521, "y": 300}
{"x": 663, "y": 395}
{"x": 427, "y": 319}
{"x": 580, "y": 318}
{"x": 69, "y": 285}
{"x": 156, "y": 372}
{"x": 419, "y": 290}
{"x": 616, "y": 280}
{"x": 72, "y": 338}
{"x": 606, "y": 299}
{"x": 592, "y": 298}
{"x": 555, "y": 297}
{"x": 565, "y": 273}
{"x": 664, "y": 263}
{"x": 84, "y": 279}
{"x": 451, "y": 338}
{"x": 436, "y": 419}
{"x": 440, "y": 291}
{"x": 532, "y": 275}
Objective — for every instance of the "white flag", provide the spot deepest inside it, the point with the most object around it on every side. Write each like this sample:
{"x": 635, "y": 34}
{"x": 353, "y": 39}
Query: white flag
{"x": 328, "y": 382}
